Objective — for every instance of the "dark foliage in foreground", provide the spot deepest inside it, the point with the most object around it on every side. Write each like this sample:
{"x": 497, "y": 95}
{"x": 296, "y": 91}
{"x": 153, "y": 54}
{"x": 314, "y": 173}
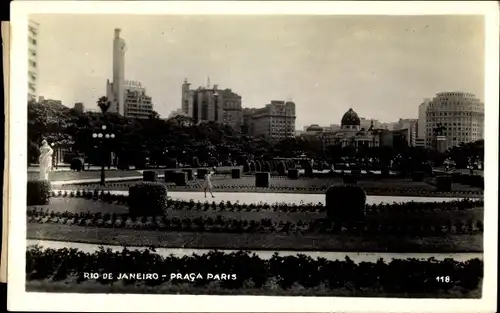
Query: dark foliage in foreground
{"x": 409, "y": 276}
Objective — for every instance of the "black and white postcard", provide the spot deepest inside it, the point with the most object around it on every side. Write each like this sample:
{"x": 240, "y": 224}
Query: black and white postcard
{"x": 253, "y": 156}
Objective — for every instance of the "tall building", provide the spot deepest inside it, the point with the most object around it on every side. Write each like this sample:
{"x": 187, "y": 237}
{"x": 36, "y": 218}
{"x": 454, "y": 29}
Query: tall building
{"x": 79, "y": 107}
{"x": 408, "y": 126}
{"x": 275, "y": 121}
{"x": 33, "y": 30}
{"x": 116, "y": 90}
{"x": 461, "y": 116}
{"x": 421, "y": 125}
{"x": 137, "y": 103}
{"x": 212, "y": 104}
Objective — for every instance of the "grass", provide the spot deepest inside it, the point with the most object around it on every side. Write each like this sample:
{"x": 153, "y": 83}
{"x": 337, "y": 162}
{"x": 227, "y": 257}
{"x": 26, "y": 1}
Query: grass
{"x": 70, "y": 285}
{"x": 256, "y": 241}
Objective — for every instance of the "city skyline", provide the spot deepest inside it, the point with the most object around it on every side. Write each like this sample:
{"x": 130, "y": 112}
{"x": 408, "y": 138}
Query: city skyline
{"x": 381, "y": 66}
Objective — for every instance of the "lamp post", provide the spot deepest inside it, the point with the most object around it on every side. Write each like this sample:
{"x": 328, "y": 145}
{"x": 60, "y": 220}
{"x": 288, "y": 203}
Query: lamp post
{"x": 55, "y": 160}
{"x": 102, "y": 136}
{"x": 216, "y": 106}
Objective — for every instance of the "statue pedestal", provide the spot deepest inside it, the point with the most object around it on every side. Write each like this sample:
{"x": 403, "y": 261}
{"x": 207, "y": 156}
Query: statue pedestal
{"x": 441, "y": 144}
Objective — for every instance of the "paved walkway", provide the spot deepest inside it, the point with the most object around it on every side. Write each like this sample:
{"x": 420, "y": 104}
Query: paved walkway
{"x": 288, "y": 198}
{"x": 355, "y": 257}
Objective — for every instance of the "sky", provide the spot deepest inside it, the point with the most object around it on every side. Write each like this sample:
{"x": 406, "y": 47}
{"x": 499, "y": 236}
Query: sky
{"x": 380, "y": 66}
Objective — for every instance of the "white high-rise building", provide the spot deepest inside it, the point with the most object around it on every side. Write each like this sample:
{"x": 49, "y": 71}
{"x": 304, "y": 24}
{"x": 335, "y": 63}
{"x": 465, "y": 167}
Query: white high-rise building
{"x": 33, "y": 29}
{"x": 461, "y": 116}
{"x": 116, "y": 90}
{"x": 421, "y": 124}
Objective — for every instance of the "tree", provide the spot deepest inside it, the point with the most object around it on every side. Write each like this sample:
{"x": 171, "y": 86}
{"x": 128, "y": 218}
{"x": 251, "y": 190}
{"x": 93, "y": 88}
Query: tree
{"x": 104, "y": 104}
{"x": 154, "y": 115}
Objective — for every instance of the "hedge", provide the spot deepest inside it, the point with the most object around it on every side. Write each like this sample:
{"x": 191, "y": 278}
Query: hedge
{"x": 189, "y": 173}
{"x": 148, "y": 198}
{"x": 345, "y": 203}
{"x": 293, "y": 173}
{"x": 262, "y": 179}
{"x": 350, "y": 179}
{"x": 38, "y": 192}
{"x": 278, "y": 271}
{"x": 444, "y": 183}
{"x": 201, "y": 172}
{"x": 418, "y": 176}
{"x": 169, "y": 176}
{"x": 181, "y": 178}
{"x": 235, "y": 173}
{"x": 149, "y": 176}
{"x": 77, "y": 164}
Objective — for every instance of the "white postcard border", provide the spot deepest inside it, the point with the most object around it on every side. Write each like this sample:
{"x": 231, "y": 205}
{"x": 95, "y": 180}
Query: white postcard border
{"x": 19, "y": 299}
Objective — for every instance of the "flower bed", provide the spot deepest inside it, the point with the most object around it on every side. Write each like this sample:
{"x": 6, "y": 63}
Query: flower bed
{"x": 276, "y": 207}
{"x": 408, "y": 227}
{"x": 246, "y": 271}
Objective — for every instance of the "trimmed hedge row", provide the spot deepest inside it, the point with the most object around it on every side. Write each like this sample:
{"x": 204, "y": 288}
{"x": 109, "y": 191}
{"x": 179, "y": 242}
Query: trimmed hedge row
{"x": 107, "y": 197}
{"x": 284, "y": 272}
{"x": 415, "y": 227}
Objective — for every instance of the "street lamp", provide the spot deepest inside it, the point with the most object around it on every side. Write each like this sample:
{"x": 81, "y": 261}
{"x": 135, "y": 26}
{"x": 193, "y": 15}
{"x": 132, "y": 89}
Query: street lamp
{"x": 56, "y": 156}
{"x": 216, "y": 106}
{"x": 102, "y": 136}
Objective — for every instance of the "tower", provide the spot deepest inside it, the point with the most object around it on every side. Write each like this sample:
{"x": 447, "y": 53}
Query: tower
{"x": 185, "y": 96}
{"x": 119, "y": 49}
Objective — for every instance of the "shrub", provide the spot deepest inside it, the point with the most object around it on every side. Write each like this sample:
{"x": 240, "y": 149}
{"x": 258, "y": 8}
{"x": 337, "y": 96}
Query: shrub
{"x": 189, "y": 173}
{"x": 236, "y": 173}
{"x": 77, "y": 164}
{"x": 444, "y": 183}
{"x": 147, "y": 199}
{"x": 38, "y": 192}
{"x": 201, "y": 172}
{"x": 246, "y": 167}
{"x": 262, "y": 179}
{"x": 385, "y": 172}
{"x": 195, "y": 163}
{"x": 476, "y": 181}
{"x": 345, "y": 203}
{"x": 281, "y": 168}
{"x": 308, "y": 168}
{"x": 356, "y": 172}
{"x": 293, "y": 173}
{"x": 149, "y": 176}
{"x": 172, "y": 163}
{"x": 181, "y": 178}
{"x": 123, "y": 165}
{"x": 169, "y": 176}
{"x": 418, "y": 176}
{"x": 350, "y": 179}
{"x": 252, "y": 166}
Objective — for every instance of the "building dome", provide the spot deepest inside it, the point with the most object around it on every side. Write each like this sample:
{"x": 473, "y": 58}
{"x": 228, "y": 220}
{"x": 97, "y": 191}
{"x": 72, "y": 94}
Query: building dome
{"x": 350, "y": 118}
{"x": 314, "y": 128}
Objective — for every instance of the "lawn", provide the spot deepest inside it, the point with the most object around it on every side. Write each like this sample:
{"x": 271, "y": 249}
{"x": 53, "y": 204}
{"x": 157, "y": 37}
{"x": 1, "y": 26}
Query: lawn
{"x": 256, "y": 241}
{"x": 77, "y": 205}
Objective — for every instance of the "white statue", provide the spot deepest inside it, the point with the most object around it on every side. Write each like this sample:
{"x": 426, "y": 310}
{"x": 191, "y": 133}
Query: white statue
{"x": 45, "y": 160}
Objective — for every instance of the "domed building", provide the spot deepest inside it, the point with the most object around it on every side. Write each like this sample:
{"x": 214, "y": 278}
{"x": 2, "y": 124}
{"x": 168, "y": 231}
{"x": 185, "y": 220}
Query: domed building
{"x": 351, "y": 133}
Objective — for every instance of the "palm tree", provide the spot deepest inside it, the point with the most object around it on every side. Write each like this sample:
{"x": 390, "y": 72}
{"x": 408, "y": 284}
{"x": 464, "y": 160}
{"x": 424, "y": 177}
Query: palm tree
{"x": 438, "y": 130}
{"x": 104, "y": 104}
{"x": 154, "y": 115}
